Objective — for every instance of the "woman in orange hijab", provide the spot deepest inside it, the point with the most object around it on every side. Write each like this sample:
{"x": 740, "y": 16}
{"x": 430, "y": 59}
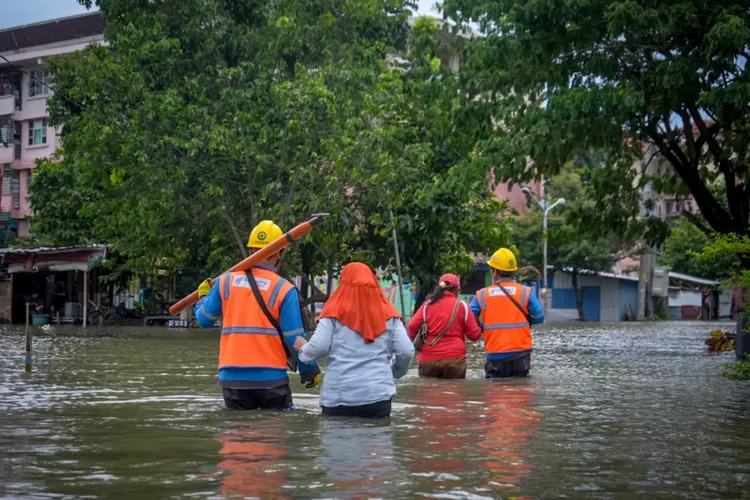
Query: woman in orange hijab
{"x": 366, "y": 343}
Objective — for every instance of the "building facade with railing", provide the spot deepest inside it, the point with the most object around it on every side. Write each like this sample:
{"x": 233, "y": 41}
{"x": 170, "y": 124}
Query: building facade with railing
{"x": 25, "y": 133}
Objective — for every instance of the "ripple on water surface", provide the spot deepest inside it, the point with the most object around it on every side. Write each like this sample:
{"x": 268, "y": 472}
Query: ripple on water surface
{"x": 611, "y": 411}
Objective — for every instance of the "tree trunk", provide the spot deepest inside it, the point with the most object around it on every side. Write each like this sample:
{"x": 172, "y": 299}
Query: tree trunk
{"x": 579, "y": 297}
{"x": 237, "y": 237}
{"x": 306, "y": 271}
{"x": 329, "y": 274}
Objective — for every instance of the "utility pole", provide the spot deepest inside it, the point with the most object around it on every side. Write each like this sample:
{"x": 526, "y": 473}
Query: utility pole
{"x": 398, "y": 268}
{"x": 645, "y": 277}
{"x": 546, "y": 208}
{"x": 648, "y": 257}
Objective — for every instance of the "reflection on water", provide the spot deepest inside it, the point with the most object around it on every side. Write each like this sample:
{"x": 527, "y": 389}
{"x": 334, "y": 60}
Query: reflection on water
{"x": 358, "y": 456}
{"x": 611, "y": 411}
{"x": 252, "y": 459}
{"x": 511, "y": 421}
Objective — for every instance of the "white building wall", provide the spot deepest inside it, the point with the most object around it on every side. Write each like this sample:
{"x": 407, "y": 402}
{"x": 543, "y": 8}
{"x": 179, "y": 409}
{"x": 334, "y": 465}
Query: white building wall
{"x": 561, "y": 315}
{"x": 609, "y": 296}
{"x": 565, "y": 280}
{"x": 725, "y": 303}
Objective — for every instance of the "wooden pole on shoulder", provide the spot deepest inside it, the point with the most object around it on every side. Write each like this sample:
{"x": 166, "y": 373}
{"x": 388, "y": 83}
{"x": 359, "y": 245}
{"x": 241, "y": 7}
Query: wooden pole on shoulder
{"x": 287, "y": 239}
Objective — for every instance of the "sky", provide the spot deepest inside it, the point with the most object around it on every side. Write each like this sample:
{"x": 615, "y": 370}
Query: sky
{"x": 17, "y": 12}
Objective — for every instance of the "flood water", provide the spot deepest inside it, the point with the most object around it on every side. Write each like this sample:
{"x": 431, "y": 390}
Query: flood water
{"x": 611, "y": 411}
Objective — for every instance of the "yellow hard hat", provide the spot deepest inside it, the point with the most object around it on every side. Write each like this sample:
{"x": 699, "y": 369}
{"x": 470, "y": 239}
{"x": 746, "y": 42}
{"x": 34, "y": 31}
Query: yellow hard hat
{"x": 503, "y": 260}
{"x": 263, "y": 234}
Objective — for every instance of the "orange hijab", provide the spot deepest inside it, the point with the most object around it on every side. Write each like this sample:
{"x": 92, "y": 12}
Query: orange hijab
{"x": 360, "y": 303}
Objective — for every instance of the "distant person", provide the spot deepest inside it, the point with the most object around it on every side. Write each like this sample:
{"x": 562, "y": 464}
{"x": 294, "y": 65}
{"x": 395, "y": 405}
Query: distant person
{"x": 449, "y": 324}
{"x": 506, "y": 310}
{"x": 366, "y": 343}
{"x": 252, "y": 358}
{"x": 33, "y": 301}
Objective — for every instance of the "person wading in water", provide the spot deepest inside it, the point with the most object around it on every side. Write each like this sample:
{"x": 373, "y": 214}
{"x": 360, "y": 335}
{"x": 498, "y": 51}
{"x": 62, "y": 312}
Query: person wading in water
{"x": 442, "y": 348}
{"x": 261, "y": 314}
{"x": 506, "y": 310}
{"x": 365, "y": 341}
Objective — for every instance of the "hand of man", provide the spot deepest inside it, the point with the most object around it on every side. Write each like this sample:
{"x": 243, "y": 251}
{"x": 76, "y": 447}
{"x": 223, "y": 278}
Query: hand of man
{"x": 314, "y": 382}
{"x": 299, "y": 343}
{"x": 204, "y": 288}
{"x": 310, "y": 378}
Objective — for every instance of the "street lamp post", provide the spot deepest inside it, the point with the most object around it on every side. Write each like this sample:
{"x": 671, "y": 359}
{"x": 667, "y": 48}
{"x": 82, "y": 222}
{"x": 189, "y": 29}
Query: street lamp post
{"x": 546, "y": 208}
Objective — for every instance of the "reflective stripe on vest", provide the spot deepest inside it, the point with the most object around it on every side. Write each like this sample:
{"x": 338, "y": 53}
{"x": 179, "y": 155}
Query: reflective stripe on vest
{"x": 248, "y": 339}
{"x": 506, "y": 329}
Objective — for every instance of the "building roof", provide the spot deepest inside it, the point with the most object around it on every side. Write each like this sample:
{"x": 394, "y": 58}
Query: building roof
{"x": 48, "y": 250}
{"x": 52, "y": 31}
{"x": 692, "y": 279}
{"x": 70, "y": 258}
{"x": 586, "y": 272}
{"x": 672, "y": 275}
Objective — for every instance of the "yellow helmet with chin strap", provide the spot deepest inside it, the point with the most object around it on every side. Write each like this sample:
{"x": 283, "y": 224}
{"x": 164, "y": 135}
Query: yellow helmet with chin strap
{"x": 503, "y": 260}
{"x": 264, "y": 234}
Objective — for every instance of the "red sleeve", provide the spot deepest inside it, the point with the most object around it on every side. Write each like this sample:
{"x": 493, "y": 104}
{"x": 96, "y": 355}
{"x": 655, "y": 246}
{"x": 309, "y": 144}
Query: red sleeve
{"x": 414, "y": 323}
{"x": 471, "y": 328}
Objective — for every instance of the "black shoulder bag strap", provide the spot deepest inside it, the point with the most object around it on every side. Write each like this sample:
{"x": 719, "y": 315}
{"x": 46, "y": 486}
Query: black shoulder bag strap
{"x": 515, "y": 302}
{"x": 291, "y": 360}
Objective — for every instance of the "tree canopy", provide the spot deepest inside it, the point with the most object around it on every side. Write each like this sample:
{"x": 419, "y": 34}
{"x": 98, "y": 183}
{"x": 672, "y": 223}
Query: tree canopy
{"x": 683, "y": 252}
{"x": 657, "y": 84}
{"x": 202, "y": 117}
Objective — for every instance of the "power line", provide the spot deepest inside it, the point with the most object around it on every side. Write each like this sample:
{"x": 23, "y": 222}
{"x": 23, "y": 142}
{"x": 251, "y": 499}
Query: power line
{"x": 50, "y": 87}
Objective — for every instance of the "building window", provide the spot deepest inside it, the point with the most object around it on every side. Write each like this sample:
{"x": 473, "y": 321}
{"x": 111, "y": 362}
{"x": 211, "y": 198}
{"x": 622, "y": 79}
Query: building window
{"x": 7, "y": 173}
{"x": 37, "y": 132}
{"x": 38, "y": 82}
{"x": 17, "y": 134}
{"x": 6, "y": 126}
{"x": 11, "y": 184}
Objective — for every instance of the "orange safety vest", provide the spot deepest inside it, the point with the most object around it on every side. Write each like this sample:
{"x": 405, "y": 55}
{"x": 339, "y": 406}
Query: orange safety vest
{"x": 506, "y": 329}
{"x": 248, "y": 339}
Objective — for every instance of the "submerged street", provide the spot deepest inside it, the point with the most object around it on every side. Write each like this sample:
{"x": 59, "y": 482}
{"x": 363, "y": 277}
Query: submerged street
{"x": 610, "y": 411}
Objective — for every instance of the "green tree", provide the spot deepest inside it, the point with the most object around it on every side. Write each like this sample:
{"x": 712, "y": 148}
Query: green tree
{"x": 202, "y": 117}
{"x": 633, "y": 79}
{"x": 682, "y": 252}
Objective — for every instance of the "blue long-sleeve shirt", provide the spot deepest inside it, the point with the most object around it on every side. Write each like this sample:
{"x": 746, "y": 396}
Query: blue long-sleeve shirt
{"x": 536, "y": 313}
{"x": 209, "y": 309}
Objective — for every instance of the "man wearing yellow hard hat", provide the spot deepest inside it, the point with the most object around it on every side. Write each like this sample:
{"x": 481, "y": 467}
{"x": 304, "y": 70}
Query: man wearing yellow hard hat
{"x": 259, "y": 309}
{"x": 506, "y": 310}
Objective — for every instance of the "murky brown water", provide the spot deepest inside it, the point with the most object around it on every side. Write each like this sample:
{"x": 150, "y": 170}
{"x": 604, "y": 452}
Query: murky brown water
{"x": 611, "y": 412}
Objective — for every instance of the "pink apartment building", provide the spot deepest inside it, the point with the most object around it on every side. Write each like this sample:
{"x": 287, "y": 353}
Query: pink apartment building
{"x": 25, "y": 134}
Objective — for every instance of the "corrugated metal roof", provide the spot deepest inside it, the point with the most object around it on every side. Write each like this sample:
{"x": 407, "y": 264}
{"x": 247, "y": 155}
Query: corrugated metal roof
{"x": 54, "y": 30}
{"x": 586, "y": 272}
{"x": 22, "y": 251}
{"x": 694, "y": 279}
{"x": 672, "y": 274}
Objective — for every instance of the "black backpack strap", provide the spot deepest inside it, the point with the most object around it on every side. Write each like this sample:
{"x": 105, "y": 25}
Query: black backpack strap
{"x": 291, "y": 360}
{"x": 515, "y": 302}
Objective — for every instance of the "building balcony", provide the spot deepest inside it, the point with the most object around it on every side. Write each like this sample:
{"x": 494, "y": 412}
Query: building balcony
{"x": 7, "y": 154}
{"x": 7, "y": 104}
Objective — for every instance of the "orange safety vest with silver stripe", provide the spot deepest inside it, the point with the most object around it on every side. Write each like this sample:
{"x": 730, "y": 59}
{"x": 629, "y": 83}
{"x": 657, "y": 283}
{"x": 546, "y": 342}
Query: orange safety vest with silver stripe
{"x": 248, "y": 339}
{"x": 505, "y": 327}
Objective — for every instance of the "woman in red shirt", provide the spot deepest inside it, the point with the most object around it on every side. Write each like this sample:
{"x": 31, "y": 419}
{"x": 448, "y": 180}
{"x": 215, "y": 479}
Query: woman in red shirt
{"x": 447, "y": 357}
